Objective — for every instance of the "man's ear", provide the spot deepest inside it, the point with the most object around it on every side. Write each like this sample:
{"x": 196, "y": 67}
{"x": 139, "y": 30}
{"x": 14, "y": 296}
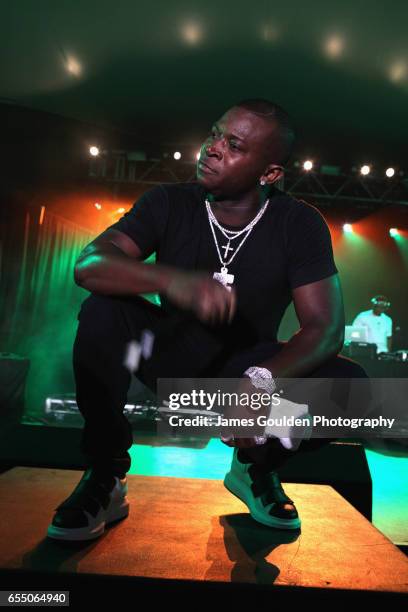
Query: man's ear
{"x": 273, "y": 173}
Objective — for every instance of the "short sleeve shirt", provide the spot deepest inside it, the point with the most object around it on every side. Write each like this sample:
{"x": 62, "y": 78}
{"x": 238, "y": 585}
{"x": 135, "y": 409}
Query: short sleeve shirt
{"x": 289, "y": 247}
{"x": 379, "y": 328}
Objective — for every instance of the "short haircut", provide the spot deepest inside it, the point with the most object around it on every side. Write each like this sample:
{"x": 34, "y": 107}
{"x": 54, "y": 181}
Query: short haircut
{"x": 275, "y": 115}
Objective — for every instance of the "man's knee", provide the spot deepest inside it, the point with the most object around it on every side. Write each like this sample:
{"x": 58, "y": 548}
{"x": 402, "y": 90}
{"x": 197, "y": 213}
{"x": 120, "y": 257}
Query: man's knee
{"x": 235, "y": 364}
{"x": 340, "y": 367}
{"x": 104, "y": 327}
{"x": 94, "y": 303}
{"x": 103, "y": 310}
{"x": 352, "y": 368}
{"x": 96, "y": 315}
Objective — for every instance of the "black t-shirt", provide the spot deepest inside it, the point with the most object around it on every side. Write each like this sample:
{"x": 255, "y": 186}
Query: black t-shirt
{"x": 290, "y": 246}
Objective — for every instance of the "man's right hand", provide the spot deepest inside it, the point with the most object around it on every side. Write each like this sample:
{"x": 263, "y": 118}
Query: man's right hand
{"x": 205, "y": 296}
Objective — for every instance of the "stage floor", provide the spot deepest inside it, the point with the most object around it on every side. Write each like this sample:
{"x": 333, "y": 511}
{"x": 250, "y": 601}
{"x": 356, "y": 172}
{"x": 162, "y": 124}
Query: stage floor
{"x": 193, "y": 529}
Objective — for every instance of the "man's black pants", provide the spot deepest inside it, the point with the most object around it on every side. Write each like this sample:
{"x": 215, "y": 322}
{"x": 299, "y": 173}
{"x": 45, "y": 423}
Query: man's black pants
{"x": 183, "y": 348}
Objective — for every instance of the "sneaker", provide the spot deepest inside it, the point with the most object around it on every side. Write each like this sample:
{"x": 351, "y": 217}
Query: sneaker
{"x": 262, "y": 493}
{"x": 96, "y": 501}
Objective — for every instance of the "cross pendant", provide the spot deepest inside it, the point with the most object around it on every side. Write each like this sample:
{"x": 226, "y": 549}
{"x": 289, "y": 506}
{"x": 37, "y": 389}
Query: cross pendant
{"x": 226, "y": 249}
{"x": 224, "y": 278}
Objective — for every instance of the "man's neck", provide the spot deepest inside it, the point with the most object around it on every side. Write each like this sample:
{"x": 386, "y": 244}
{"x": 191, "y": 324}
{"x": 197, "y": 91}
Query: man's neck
{"x": 239, "y": 210}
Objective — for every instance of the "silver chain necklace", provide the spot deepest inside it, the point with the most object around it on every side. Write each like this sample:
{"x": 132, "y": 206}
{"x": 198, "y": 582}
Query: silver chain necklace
{"x": 223, "y": 277}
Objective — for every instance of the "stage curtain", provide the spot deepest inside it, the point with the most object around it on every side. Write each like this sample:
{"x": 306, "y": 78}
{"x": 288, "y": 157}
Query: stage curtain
{"x": 40, "y": 300}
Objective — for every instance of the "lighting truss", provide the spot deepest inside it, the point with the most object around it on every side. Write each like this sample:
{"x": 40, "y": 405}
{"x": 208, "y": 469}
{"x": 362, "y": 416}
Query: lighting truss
{"x": 324, "y": 190}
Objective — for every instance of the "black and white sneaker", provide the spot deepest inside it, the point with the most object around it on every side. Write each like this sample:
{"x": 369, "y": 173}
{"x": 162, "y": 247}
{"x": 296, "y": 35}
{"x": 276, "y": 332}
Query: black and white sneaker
{"x": 262, "y": 493}
{"x": 96, "y": 501}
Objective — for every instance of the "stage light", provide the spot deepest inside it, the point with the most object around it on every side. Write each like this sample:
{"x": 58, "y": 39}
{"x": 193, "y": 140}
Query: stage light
{"x": 177, "y": 155}
{"x": 269, "y": 33}
{"x": 308, "y": 165}
{"x": 94, "y": 151}
{"x": 390, "y": 172}
{"x": 98, "y": 206}
{"x": 365, "y": 170}
{"x": 334, "y": 46}
{"x": 192, "y": 33}
{"x": 73, "y": 66}
{"x": 42, "y": 213}
{"x": 394, "y": 231}
{"x": 348, "y": 228}
{"x": 398, "y": 71}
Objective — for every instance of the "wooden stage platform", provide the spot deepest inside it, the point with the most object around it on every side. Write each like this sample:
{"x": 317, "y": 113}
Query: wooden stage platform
{"x": 192, "y": 529}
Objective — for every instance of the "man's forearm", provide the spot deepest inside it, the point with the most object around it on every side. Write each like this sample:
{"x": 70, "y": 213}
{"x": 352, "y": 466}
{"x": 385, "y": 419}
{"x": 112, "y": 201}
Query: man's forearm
{"x": 303, "y": 353}
{"x": 113, "y": 274}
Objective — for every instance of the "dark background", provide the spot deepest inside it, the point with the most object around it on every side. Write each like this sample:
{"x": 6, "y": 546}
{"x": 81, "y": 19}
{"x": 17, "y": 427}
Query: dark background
{"x": 162, "y": 71}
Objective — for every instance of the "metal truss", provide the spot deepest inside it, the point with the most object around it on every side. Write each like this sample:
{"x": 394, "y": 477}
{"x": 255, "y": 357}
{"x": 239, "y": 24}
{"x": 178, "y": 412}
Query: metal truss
{"x": 326, "y": 190}
{"x": 372, "y": 191}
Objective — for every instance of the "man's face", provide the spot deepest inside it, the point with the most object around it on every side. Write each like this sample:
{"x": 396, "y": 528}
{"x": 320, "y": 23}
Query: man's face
{"x": 236, "y": 153}
{"x": 380, "y": 307}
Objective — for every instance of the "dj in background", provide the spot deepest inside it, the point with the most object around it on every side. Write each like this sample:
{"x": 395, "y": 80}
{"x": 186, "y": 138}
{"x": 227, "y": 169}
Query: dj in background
{"x": 378, "y": 324}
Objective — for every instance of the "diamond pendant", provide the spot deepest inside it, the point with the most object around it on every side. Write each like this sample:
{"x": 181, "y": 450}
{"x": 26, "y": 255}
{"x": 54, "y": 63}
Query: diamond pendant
{"x": 227, "y": 248}
{"x": 224, "y": 278}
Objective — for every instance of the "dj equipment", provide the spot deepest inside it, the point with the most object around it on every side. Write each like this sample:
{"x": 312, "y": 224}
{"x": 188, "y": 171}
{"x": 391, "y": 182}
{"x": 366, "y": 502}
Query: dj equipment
{"x": 355, "y": 333}
{"x": 145, "y": 414}
{"x": 360, "y": 349}
{"x": 63, "y": 410}
{"x": 401, "y": 355}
